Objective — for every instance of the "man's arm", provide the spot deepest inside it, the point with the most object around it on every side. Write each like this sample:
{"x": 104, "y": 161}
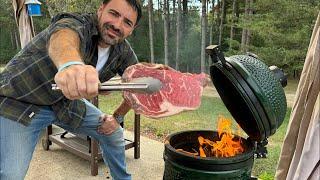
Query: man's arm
{"x": 121, "y": 111}
{"x": 130, "y": 58}
{"x": 111, "y": 123}
{"x": 78, "y": 80}
{"x": 64, "y": 46}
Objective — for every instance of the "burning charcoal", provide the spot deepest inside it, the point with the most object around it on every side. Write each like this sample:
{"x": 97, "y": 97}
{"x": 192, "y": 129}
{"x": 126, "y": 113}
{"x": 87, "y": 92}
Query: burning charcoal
{"x": 206, "y": 150}
{"x": 187, "y": 152}
{"x": 195, "y": 151}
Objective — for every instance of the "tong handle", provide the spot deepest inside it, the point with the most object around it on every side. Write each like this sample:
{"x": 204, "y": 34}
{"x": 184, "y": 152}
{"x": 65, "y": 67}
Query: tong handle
{"x": 114, "y": 87}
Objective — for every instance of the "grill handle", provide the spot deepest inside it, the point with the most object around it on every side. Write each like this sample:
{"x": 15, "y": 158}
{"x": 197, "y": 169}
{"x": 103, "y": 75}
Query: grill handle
{"x": 261, "y": 149}
{"x": 217, "y": 55}
{"x": 280, "y": 75}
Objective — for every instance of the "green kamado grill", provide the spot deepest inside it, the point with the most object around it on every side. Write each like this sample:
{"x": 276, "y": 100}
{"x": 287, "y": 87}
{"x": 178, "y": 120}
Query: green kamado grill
{"x": 253, "y": 94}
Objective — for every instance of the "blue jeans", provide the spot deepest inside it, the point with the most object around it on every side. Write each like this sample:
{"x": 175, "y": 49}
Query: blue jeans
{"x": 17, "y": 143}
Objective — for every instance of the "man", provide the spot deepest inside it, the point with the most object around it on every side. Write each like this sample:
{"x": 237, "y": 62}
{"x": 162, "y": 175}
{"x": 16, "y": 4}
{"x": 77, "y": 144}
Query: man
{"x": 76, "y": 52}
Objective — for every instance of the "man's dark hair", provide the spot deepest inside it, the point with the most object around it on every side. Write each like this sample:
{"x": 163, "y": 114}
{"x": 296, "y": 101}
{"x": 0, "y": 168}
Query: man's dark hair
{"x": 135, "y": 4}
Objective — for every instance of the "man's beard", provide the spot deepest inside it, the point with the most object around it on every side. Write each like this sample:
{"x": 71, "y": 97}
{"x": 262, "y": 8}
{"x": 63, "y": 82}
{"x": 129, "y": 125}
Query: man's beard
{"x": 106, "y": 39}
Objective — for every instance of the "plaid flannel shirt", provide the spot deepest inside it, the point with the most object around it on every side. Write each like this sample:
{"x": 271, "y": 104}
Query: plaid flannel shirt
{"x": 25, "y": 82}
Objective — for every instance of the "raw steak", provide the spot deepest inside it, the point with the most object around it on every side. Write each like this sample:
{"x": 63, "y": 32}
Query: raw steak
{"x": 179, "y": 92}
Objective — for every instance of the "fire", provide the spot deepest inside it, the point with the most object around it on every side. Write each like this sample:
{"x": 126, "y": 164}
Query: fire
{"x": 226, "y": 146}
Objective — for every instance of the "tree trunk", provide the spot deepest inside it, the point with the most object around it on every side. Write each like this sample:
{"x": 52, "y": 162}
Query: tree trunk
{"x": 178, "y": 34}
{"x": 185, "y": 6}
{"x": 166, "y": 33}
{"x": 218, "y": 20}
{"x": 233, "y": 20}
{"x": 244, "y": 30}
{"x": 185, "y": 17}
{"x": 250, "y": 13}
{"x": 212, "y": 24}
{"x": 221, "y": 22}
{"x": 150, "y": 11}
{"x": 168, "y": 15}
{"x": 212, "y": 29}
{"x": 159, "y": 7}
{"x": 203, "y": 35}
{"x": 13, "y": 45}
{"x": 207, "y": 6}
{"x": 173, "y": 22}
{"x": 16, "y": 37}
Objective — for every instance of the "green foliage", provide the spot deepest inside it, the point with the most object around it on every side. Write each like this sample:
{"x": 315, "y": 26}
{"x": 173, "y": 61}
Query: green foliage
{"x": 139, "y": 39}
{"x": 281, "y": 31}
{"x": 83, "y": 6}
{"x": 7, "y": 28}
{"x": 7, "y": 44}
{"x": 6, "y": 55}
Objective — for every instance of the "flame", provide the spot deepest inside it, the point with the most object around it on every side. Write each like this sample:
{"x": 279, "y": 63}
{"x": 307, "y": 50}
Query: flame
{"x": 201, "y": 142}
{"x": 227, "y": 146}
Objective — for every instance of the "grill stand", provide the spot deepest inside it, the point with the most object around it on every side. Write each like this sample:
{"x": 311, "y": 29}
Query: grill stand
{"x": 87, "y": 148}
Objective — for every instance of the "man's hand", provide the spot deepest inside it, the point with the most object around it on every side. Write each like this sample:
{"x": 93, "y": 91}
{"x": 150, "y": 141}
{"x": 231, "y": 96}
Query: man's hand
{"x": 78, "y": 81}
{"x": 109, "y": 124}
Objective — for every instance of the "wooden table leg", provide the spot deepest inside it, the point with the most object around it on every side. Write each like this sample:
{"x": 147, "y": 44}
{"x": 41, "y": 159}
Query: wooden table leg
{"x": 94, "y": 157}
{"x": 46, "y": 140}
{"x": 136, "y": 136}
{"x": 48, "y": 133}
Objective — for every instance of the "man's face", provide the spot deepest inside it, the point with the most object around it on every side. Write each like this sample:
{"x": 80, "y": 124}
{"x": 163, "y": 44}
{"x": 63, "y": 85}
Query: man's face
{"x": 117, "y": 20}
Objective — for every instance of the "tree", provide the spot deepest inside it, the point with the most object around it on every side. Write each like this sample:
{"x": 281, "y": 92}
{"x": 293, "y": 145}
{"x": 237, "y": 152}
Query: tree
{"x": 58, "y": 6}
{"x": 218, "y": 19}
{"x": 9, "y": 36}
{"x": 244, "y": 36}
{"x": 150, "y": 12}
{"x": 184, "y": 16}
{"x": 250, "y": 13}
{"x": 203, "y": 34}
{"x": 233, "y": 21}
{"x": 281, "y": 31}
{"x": 221, "y": 22}
{"x": 178, "y": 35}
{"x": 166, "y": 32}
{"x": 277, "y": 31}
{"x": 212, "y": 28}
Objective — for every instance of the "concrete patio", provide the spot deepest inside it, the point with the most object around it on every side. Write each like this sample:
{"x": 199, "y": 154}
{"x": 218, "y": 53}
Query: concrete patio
{"x": 59, "y": 164}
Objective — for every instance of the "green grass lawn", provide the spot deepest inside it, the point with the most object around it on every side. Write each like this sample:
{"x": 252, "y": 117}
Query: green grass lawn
{"x": 203, "y": 118}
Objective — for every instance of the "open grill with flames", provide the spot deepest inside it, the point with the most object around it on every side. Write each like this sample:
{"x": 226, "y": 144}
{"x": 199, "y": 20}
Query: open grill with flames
{"x": 184, "y": 166}
{"x": 254, "y": 96}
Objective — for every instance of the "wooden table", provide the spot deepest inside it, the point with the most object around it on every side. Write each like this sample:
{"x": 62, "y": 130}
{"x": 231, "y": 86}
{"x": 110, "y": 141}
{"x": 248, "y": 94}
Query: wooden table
{"x": 87, "y": 147}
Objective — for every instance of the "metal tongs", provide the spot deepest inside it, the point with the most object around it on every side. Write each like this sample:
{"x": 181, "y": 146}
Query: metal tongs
{"x": 138, "y": 85}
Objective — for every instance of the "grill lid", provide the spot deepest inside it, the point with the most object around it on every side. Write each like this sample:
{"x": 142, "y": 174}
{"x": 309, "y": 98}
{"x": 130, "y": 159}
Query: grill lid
{"x": 250, "y": 91}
